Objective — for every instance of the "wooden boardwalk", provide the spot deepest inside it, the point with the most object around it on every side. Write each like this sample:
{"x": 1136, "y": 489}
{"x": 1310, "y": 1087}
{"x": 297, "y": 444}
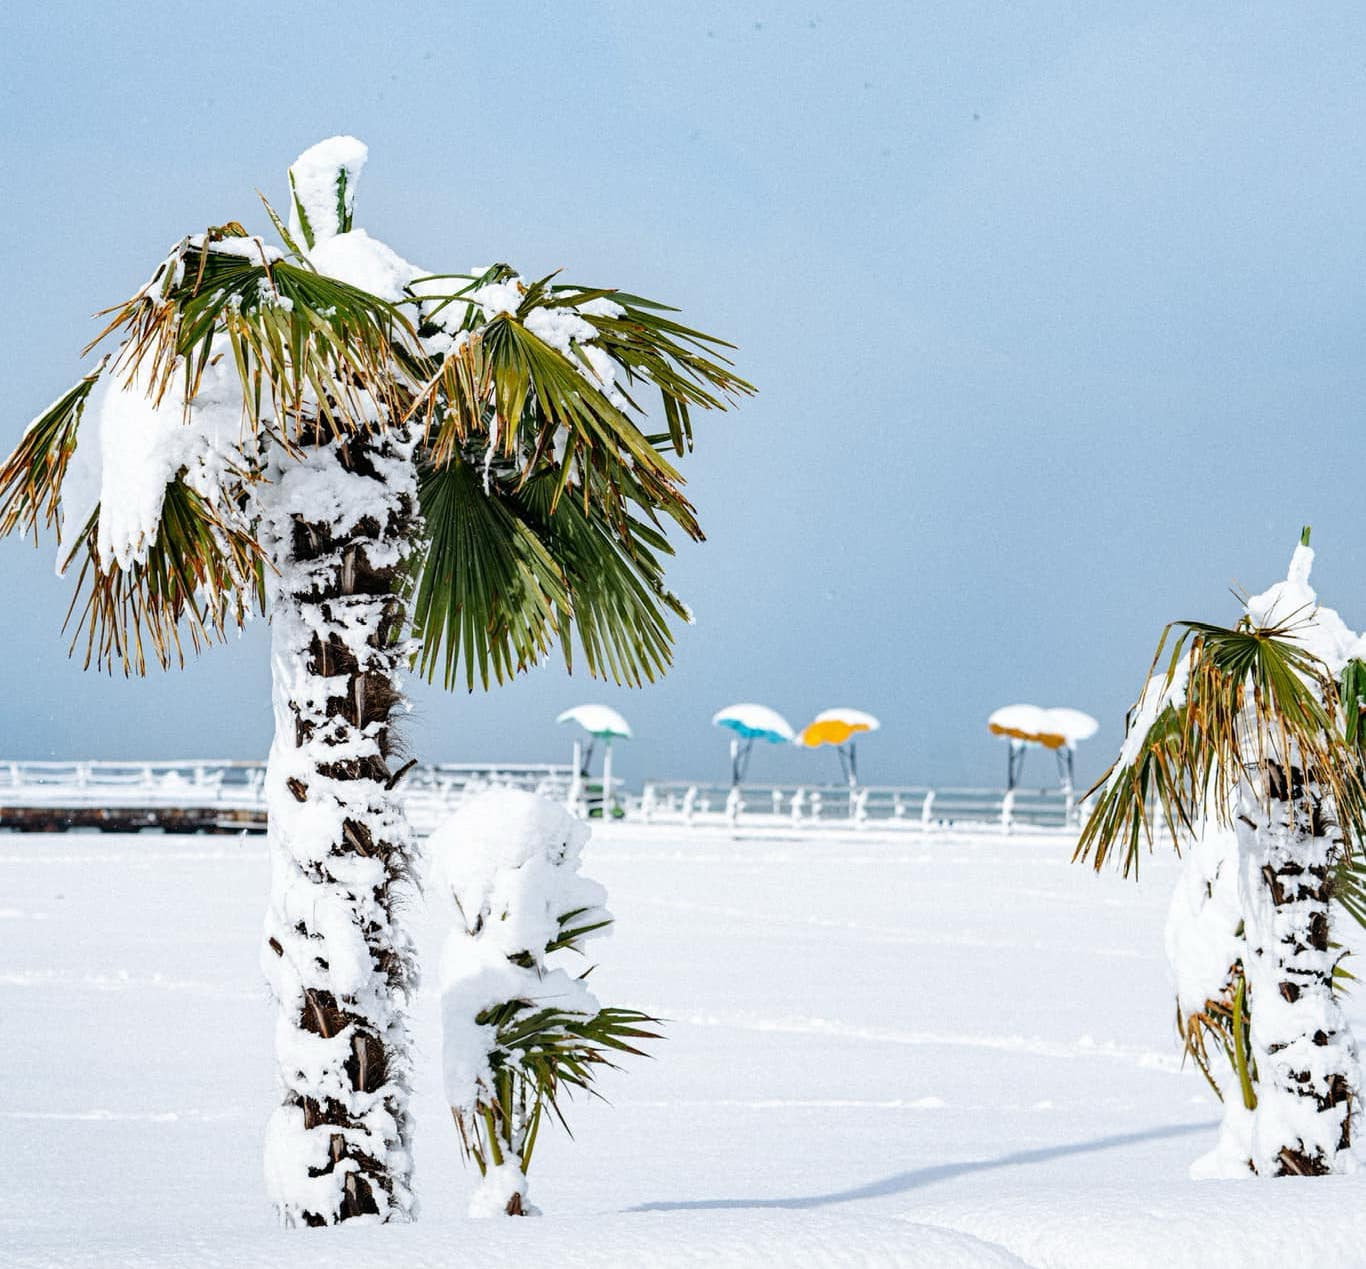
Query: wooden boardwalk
{"x": 218, "y": 796}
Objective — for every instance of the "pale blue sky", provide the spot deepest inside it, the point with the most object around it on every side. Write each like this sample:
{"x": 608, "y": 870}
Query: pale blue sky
{"x": 1057, "y": 311}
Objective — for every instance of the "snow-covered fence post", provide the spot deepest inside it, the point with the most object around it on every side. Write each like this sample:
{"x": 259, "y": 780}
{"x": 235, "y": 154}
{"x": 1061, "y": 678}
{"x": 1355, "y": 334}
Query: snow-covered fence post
{"x": 519, "y": 1031}
{"x": 927, "y": 809}
{"x": 576, "y": 794}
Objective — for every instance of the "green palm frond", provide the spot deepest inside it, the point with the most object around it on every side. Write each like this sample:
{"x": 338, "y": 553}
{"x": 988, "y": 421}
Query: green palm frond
{"x": 500, "y": 375}
{"x": 561, "y": 539}
{"x": 615, "y": 580}
{"x": 509, "y": 572}
{"x": 1352, "y": 693}
{"x": 538, "y": 1055}
{"x": 1349, "y": 886}
{"x": 201, "y": 574}
{"x": 503, "y": 381}
{"x": 684, "y": 364}
{"x": 539, "y": 1052}
{"x": 1254, "y": 699}
{"x": 489, "y": 592}
{"x": 307, "y": 347}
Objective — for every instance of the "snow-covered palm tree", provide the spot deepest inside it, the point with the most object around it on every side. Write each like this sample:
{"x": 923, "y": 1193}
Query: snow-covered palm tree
{"x": 395, "y": 465}
{"x": 1257, "y": 727}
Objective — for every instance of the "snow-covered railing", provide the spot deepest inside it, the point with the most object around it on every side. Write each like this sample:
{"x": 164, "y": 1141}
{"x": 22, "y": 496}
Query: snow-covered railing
{"x": 237, "y": 789}
{"x": 804, "y": 805}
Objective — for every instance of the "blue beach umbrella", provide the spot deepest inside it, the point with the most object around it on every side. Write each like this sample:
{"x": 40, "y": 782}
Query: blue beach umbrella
{"x": 750, "y": 723}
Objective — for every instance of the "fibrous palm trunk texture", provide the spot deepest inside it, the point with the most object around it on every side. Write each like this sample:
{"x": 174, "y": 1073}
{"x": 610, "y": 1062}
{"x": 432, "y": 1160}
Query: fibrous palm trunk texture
{"x": 339, "y": 526}
{"x": 1306, "y": 1057}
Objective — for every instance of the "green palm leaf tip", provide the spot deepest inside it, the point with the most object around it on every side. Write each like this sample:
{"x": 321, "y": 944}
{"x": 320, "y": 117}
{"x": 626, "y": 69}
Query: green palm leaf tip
{"x": 31, "y": 479}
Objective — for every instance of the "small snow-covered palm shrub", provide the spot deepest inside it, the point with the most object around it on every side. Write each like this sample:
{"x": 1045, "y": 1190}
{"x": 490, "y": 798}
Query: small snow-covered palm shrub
{"x": 519, "y": 1028}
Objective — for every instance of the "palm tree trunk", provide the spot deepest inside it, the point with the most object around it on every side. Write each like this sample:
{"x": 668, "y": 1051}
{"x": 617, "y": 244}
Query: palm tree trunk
{"x": 339, "y": 525}
{"x": 1305, "y": 1054}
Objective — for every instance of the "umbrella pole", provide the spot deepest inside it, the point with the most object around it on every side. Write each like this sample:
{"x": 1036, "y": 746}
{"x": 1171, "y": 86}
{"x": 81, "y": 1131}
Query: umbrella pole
{"x": 607, "y": 779}
{"x": 734, "y": 761}
{"x": 576, "y": 784}
{"x": 1065, "y": 769}
{"x": 853, "y": 764}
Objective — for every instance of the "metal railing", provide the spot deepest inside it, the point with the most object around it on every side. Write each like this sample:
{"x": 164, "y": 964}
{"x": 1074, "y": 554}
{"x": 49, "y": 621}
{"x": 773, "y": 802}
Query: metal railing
{"x": 804, "y": 805}
{"x": 231, "y": 794}
{"x": 233, "y": 790}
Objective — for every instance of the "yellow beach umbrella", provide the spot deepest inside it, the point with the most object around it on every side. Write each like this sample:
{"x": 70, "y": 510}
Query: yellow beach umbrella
{"x": 839, "y": 727}
{"x": 1058, "y": 729}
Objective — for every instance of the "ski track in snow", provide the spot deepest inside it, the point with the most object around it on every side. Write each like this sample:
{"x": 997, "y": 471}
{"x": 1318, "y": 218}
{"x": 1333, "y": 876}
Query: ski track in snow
{"x": 1084, "y": 1047}
{"x": 124, "y": 980}
{"x": 881, "y": 934}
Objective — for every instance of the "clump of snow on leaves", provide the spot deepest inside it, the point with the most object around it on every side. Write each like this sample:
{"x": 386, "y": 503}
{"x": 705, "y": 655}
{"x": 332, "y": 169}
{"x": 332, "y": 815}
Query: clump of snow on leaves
{"x": 509, "y": 862}
{"x": 314, "y": 177}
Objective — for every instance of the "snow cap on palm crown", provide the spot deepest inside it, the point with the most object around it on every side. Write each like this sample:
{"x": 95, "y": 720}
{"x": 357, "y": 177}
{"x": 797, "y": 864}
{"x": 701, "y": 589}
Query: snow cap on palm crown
{"x": 510, "y": 861}
{"x": 1294, "y": 604}
{"x": 323, "y": 182}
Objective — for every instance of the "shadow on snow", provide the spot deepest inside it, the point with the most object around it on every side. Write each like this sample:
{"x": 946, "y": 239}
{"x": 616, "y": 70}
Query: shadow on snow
{"x": 900, "y": 1182}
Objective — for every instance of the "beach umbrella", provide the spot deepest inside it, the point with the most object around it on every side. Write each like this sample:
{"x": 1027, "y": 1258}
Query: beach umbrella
{"x": 602, "y": 723}
{"x": 750, "y": 723}
{"x": 1059, "y": 729}
{"x": 839, "y": 727}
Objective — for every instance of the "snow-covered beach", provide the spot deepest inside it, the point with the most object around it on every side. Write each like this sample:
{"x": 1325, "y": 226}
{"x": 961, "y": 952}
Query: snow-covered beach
{"x": 913, "y": 1049}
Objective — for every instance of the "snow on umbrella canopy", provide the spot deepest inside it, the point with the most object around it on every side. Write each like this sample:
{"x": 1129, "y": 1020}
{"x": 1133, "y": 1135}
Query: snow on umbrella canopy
{"x": 751, "y": 723}
{"x": 602, "y": 723}
{"x": 1059, "y": 729}
{"x": 839, "y": 727}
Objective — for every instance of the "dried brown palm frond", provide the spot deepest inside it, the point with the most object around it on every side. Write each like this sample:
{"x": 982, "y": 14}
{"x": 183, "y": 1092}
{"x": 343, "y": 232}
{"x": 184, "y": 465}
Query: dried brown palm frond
{"x": 1223, "y": 1025}
{"x": 1254, "y": 702}
{"x": 201, "y": 575}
